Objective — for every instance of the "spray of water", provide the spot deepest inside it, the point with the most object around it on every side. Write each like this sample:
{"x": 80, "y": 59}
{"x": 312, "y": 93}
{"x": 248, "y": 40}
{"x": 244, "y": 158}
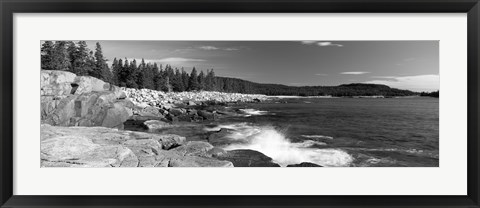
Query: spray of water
{"x": 274, "y": 144}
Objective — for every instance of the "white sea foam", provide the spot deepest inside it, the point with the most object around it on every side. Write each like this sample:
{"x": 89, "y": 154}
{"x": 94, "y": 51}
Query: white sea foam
{"x": 317, "y": 137}
{"x": 254, "y": 112}
{"x": 272, "y": 143}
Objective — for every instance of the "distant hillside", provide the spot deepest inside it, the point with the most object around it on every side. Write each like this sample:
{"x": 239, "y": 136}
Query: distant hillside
{"x": 227, "y": 84}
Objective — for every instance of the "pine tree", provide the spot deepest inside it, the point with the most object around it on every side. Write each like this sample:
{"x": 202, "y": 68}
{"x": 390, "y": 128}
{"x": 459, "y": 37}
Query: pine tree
{"x": 185, "y": 79}
{"x": 193, "y": 81}
{"x": 90, "y": 64}
{"x": 177, "y": 82}
{"x": 148, "y": 76}
{"x": 141, "y": 76}
{"x": 157, "y": 77}
{"x": 210, "y": 80}
{"x": 201, "y": 81}
{"x": 101, "y": 69}
{"x": 115, "y": 71}
{"x": 60, "y": 56}
{"x": 166, "y": 79}
{"x": 80, "y": 58}
{"x": 130, "y": 74}
{"x": 123, "y": 73}
{"x": 47, "y": 52}
{"x": 71, "y": 50}
{"x": 168, "y": 86}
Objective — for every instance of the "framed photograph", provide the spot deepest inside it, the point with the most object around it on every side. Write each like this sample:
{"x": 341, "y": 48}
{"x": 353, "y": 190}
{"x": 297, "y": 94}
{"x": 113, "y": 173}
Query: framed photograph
{"x": 266, "y": 103}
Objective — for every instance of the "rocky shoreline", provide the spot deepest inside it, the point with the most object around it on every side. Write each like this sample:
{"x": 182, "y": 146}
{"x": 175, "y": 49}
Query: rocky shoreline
{"x": 83, "y": 121}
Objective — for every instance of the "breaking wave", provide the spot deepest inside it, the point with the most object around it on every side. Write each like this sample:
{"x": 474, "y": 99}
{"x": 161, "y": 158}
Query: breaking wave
{"x": 274, "y": 144}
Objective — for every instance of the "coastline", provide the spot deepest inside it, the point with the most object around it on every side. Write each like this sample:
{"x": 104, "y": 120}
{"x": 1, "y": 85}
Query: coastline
{"x": 83, "y": 125}
{"x": 192, "y": 124}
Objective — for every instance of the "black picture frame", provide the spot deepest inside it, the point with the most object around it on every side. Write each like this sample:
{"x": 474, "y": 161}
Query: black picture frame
{"x": 9, "y": 7}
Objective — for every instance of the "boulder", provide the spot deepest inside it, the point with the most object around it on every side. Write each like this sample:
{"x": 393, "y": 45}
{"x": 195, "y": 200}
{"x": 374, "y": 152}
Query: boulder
{"x": 176, "y": 111}
{"x": 194, "y": 148}
{"x": 192, "y": 112}
{"x": 197, "y": 118}
{"x": 142, "y": 105}
{"x": 185, "y": 118}
{"x": 145, "y": 150}
{"x": 86, "y": 84}
{"x": 172, "y": 118}
{"x": 70, "y": 100}
{"x": 115, "y": 116}
{"x": 153, "y": 125}
{"x": 247, "y": 158}
{"x": 90, "y": 109}
{"x": 207, "y": 115}
{"x": 167, "y": 106}
{"x": 149, "y": 111}
{"x": 169, "y": 141}
{"x": 56, "y": 83}
{"x": 215, "y": 152}
{"x": 304, "y": 164}
{"x": 221, "y": 138}
{"x": 61, "y": 113}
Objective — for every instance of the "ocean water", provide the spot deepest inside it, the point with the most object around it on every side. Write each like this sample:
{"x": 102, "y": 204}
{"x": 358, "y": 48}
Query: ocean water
{"x": 351, "y": 132}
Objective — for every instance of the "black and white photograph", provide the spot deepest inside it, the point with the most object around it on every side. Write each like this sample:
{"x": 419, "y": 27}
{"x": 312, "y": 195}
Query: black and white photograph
{"x": 292, "y": 103}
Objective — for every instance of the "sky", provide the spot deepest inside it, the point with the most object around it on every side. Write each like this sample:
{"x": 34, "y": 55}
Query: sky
{"x": 412, "y": 65}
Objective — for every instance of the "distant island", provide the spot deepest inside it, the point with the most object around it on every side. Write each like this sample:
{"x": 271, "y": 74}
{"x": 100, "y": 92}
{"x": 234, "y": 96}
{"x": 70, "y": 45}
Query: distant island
{"x": 435, "y": 94}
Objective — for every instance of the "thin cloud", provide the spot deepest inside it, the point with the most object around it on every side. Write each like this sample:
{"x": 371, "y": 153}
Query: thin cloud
{"x": 213, "y": 48}
{"x": 308, "y": 42}
{"x": 321, "y": 74}
{"x": 355, "y": 73}
{"x": 418, "y": 83}
{"x": 208, "y": 48}
{"x": 320, "y": 43}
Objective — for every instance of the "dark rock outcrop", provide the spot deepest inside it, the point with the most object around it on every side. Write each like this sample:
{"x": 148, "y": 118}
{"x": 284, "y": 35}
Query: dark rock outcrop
{"x": 207, "y": 115}
{"x": 247, "y": 158}
{"x": 304, "y": 164}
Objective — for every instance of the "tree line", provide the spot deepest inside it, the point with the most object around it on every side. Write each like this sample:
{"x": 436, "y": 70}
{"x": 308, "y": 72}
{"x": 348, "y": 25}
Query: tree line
{"x": 347, "y": 90}
{"x": 76, "y": 58}
{"x": 79, "y": 59}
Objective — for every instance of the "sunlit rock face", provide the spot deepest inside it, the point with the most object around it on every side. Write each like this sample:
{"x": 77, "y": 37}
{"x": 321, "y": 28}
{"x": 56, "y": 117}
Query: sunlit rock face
{"x": 107, "y": 147}
{"x": 70, "y": 100}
